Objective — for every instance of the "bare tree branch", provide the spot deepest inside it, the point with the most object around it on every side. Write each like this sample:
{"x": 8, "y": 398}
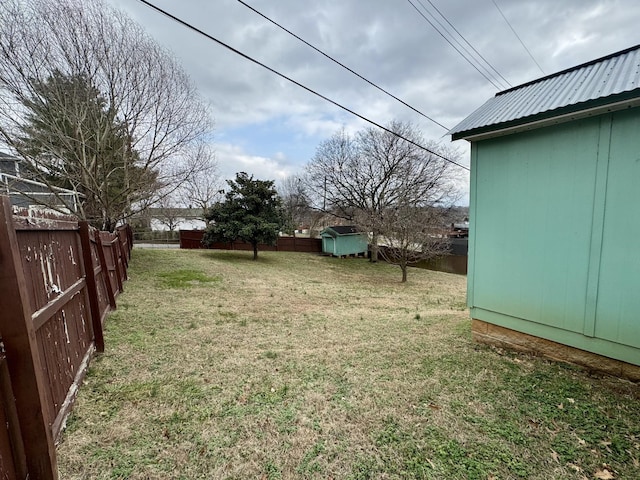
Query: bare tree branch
{"x": 361, "y": 177}
{"x": 146, "y": 104}
{"x": 411, "y": 234}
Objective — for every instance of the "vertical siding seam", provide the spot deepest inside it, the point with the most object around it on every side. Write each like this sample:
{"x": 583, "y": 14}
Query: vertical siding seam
{"x": 597, "y": 223}
{"x": 473, "y": 211}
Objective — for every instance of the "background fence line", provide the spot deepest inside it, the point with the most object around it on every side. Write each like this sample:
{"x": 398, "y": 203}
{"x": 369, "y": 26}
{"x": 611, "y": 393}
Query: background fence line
{"x": 193, "y": 239}
{"x": 454, "y": 262}
{"x": 58, "y": 280}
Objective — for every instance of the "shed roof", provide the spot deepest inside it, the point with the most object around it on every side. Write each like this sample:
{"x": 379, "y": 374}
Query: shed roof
{"x": 341, "y": 230}
{"x": 605, "y": 84}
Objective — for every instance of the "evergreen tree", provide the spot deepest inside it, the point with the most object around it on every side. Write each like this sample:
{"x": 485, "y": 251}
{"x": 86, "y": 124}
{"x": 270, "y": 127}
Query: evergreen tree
{"x": 251, "y": 211}
{"x": 77, "y": 142}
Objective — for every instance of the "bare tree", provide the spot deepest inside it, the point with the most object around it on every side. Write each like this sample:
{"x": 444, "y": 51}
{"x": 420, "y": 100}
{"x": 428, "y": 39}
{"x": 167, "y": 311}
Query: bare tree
{"x": 92, "y": 103}
{"x": 361, "y": 177}
{"x": 295, "y": 201}
{"x": 168, "y": 213}
{"x": 203, "y": 189}
{"x": 411, "y": 234}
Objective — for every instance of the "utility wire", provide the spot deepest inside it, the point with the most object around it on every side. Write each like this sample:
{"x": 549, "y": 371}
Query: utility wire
{"x": 251, "y": 59}
{"x": 491, "y": 81}
{"x": 342, "y": 65}
{"x": 465, "y": 40}
{"x": 469, "y": 55}
{"x": 518, "y": 37}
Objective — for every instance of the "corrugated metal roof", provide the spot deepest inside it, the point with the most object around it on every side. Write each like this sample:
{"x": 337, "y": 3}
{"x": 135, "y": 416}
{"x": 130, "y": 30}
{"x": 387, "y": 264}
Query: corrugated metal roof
{"x": 601, "y": 81}
{"x": 342, "y": 230}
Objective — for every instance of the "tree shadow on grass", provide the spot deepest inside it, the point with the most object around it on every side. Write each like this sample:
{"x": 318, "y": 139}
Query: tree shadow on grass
{"x": 236, "y": 256}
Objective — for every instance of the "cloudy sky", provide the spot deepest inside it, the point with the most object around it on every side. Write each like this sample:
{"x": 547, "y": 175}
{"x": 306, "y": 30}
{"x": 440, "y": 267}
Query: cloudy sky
{"x": 270, "y": 128}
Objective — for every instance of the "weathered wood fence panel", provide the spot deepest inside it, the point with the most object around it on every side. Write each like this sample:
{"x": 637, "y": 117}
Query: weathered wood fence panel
{"x": 13, "y": 462}
{"x": 193, "y": 239}
{"x": 114, "y": 262}
{"x": 56, "y": 292}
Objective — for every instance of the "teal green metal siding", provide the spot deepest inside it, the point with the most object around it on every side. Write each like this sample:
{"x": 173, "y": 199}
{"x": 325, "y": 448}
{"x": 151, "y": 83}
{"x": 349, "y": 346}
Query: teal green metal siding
{"x": 341, "y": 245}
{"x": 328, "y": 244}
{"x": 618, "y": 296}
{"x": 548, "y": 209}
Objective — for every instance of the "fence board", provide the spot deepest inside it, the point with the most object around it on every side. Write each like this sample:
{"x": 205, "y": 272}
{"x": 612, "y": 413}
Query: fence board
{"x": 13, "y": 462}
{"x": 97, "y": 259}
{"x": 91, "y": 270}
{"x": 109, "y": 288}
{"x": 114, "y": 266}
{"x": 64, "y": 344}
{"x": 124, "y": 235}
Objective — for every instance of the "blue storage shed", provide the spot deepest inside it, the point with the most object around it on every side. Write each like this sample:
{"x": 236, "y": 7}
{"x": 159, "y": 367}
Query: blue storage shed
{"x": 343, "y": 240}
{"x": 554, "y": 265}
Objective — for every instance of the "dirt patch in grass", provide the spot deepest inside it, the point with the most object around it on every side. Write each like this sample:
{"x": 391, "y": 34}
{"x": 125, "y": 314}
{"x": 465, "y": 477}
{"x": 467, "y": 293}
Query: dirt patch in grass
{"x": 300, "y": 366}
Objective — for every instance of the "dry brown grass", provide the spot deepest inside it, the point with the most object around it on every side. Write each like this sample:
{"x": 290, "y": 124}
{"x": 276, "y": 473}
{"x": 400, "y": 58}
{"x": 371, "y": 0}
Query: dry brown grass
{"x": 299, "y": 366}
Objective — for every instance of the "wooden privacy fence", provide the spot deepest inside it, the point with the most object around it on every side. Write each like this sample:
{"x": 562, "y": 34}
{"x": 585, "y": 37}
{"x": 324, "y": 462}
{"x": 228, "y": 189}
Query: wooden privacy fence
{"x": 193, "y": 239}
{"x": 58, "y": 280}
{"x": 454, "y": 262}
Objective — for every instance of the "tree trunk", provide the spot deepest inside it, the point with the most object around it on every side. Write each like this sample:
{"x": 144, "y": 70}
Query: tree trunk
{"x": 255, "y": 251}
{"x": 108, "y": 224}
{"x": 374, "y": 247}
{"x": 403, "y": 267}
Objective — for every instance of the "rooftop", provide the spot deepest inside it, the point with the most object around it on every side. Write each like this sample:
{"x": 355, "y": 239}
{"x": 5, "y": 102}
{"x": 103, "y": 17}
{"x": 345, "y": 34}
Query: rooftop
{"x": 602, "y": 85}
{"x": 343, "y": 229}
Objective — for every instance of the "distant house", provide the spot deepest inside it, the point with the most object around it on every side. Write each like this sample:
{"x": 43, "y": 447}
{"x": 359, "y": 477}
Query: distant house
{"x": 30, "y": 194}
{"x": 341, "y": 240}
{"x": 555, "y": 215}
{"x": 165, "y": 219}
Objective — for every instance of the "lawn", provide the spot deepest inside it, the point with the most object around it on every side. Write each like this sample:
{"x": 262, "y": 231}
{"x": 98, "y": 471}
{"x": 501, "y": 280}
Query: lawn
{"x": 301, "y": 366}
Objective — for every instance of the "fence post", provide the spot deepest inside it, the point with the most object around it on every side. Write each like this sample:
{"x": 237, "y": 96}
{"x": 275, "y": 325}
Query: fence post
{"x": 23, "y": 357}
{"x": 92, "y": 287}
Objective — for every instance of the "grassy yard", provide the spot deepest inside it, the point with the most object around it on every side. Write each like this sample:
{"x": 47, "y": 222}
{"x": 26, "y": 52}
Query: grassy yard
{"x": 300, "y": 366}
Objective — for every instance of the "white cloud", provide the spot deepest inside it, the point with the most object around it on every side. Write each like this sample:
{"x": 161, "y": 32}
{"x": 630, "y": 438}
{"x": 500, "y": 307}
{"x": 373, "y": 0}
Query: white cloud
{"x": 387, "y": 42}
{"x": 233, "y": 159}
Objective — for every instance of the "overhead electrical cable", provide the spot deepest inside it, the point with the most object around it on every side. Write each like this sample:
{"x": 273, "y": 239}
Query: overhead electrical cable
{"x": 308, "y": 89}
{"x": 470, "y": 56}
{"x": 494, "y": 82}
{"x": 518, "y": 37}
{"x": 466, "y": 41}
{"x": 342, "y": 65}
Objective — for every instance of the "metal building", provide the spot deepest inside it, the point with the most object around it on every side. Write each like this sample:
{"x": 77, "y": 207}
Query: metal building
{"x": 554, "y": 264}
{"x": 343, "y": 240}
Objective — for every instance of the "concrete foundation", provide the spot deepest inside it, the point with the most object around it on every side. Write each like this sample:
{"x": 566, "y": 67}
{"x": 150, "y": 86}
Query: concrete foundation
{"x": 488, "y": 333}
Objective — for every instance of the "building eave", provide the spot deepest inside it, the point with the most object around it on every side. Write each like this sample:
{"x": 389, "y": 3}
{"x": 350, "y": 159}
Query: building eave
{"x": 567, "y": 114}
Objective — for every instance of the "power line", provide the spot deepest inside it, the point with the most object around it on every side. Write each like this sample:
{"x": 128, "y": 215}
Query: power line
{"x": 342, "y": 65}
{"x": 251, "y": 59}
{"x": 469, "y": 55}
{"x": 491, "y": 81}
{"x": 518, "y": 37}
{"x": 465, "y": 40}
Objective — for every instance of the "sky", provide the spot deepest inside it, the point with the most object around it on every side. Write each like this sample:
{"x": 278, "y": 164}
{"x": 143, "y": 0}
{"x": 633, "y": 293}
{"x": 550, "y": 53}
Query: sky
{"x": 270, "y": 128}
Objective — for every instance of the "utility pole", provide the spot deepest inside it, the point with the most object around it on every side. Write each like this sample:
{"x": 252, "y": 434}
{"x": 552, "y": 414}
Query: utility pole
{"x": 324, "y": 195}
